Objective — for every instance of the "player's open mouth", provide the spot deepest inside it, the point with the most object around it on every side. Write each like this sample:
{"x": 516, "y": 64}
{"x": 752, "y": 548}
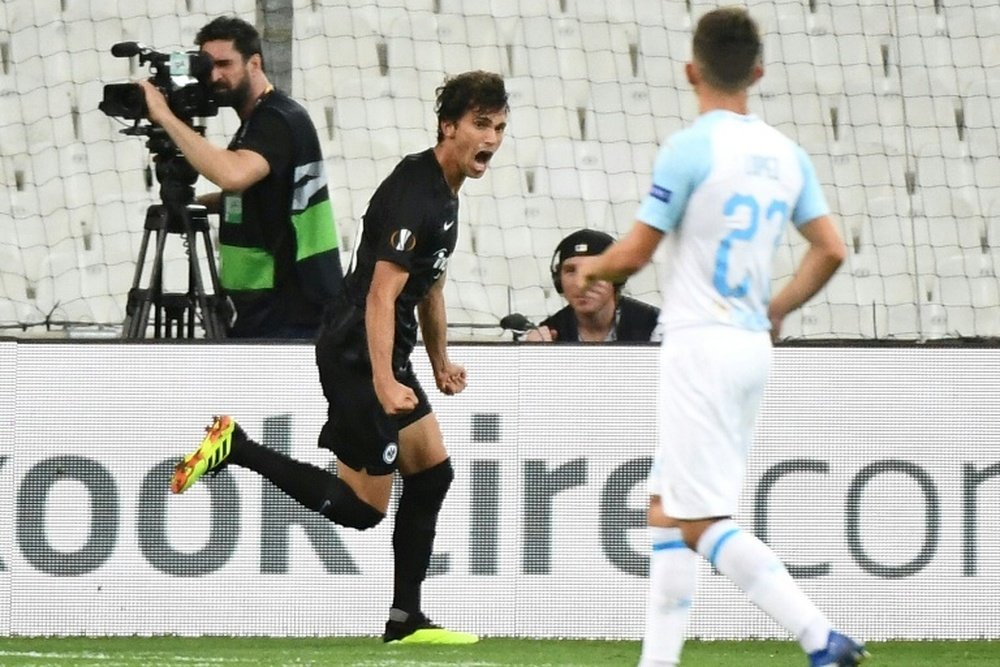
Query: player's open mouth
{"x": 483, "y": 158}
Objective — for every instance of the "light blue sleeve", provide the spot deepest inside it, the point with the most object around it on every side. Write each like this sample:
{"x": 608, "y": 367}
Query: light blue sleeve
{"x": 681, "y": 165}
{"x": 811, "y": 204}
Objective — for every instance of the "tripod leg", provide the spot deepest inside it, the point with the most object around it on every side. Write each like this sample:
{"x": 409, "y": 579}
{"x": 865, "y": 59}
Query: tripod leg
{"x": 196, "y": 291}
{"x": 218, "y": 294}
{"x": 134, "y": 324}
{"x": 155, "y": 289}
{"x": 141, "y": 299}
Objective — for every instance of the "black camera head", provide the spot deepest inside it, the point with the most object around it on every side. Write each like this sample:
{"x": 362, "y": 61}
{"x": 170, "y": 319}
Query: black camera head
{"x": 183, "y": 77}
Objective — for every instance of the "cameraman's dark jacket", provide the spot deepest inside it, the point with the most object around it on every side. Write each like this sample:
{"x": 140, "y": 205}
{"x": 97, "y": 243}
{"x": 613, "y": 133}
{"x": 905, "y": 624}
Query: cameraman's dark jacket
{"x": 635, "y": 321}
{"x": 278, "y": 242}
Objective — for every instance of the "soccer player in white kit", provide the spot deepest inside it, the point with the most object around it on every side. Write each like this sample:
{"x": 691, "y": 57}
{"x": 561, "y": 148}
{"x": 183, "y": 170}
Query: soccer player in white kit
{"x": 723, "y": 190}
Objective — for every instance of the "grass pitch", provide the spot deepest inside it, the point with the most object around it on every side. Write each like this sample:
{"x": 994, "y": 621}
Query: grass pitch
{"x": 370, "y": 652}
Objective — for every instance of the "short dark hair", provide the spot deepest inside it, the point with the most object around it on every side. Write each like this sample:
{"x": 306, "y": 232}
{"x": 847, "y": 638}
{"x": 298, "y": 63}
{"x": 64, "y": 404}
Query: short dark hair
{"x": 470, "y": 90}
{"x": 727, "y": 46}
{"x": 243, "y": 35}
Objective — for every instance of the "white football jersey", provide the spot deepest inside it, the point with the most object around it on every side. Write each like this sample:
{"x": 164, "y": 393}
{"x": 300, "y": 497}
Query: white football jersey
{"x": 725, "y": 187}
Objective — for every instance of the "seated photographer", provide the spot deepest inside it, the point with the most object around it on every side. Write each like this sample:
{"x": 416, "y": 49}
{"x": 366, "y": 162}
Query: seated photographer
{"x": 599, "y": 313}
{"x": 278, "y": 245}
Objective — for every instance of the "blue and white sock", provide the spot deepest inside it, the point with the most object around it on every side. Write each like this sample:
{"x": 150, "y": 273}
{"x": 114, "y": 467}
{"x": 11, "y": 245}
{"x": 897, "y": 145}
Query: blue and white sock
{"x": 758, "y": 572}
{"x": 673, "y": 579}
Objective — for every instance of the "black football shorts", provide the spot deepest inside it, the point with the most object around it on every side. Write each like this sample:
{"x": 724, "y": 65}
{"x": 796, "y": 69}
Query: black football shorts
{"x": 357, "y": 429}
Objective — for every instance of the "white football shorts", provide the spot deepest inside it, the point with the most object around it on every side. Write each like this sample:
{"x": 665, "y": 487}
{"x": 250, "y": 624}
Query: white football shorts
{"x": 711, "y": 383}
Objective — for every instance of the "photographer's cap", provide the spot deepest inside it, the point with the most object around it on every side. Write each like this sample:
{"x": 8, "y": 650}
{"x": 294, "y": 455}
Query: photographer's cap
{"x": 582, "y": 242}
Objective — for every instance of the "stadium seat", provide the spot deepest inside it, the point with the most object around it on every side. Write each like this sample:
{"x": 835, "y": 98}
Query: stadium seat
{"x": 572, "y": 214}
{"x": 981, "y": 104}
{"x": 322, "y": 113}
{"x": 600, "y": 11}
{"x": 620, "y": 216}
{"x": 538, "y": 109}
{"x": 414, "y": 42}
{"x": 966, "y": 291}
{"x": 645, "y": 285}
{"x": 558, "y": 175}
{"x": 533, "y": 301}
{"x": 313, "y": 78}
{"x": 787, "y": 255}
{"x": 933, "y": 113}
{"x": 476, "y": 302}
{"x": 622, "y": 112}
{"x": 610, "y": 52}
{"x": 551, "y": 48}
{"x": 352, "y": 45}
{"x": 520, "y": 8}
{"x": 505, "y": 177}
{"x": 400, "y": 124}
{"x": 474, "y": 7}
{"x": 836, "y": 310}
{"x": 117, "y": 228}
{"x": 946, "y": 187}
{"x": 987, "y": 178}
{"x": 922, "y": 40}
{"x": 18, "y": 306}
{"x": 792, "y": 45}
{"x": 811, "y": 120}
{"x": 485, "y": 307}
{"x": 627, "y": 169}
{"x": 869, "y": 119}
{"x": 536, "y": 212}
{"x": 470, "y": 42}
{"x": 673, "y": 109}
{"x": 518, "y": 243}
{"x": 528, "y": 271}
{"x": 572, "y": 169}
{"x": 973, "y": 30}
{"x": 672, "y": 15}
{"x": 902, "y": 311}
{"x": 661, "y": 56}
{"x": 828, "y": 58}
{"x": 463, "y": 265}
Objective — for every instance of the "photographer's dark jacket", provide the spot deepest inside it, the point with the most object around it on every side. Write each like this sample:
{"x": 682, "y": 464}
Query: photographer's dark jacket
{"x": 278, "y": 243}
{"x": 635, "y": 321}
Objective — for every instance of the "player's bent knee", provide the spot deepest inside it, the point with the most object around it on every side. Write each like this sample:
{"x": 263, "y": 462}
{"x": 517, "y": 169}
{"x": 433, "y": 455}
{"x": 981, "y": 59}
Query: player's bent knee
{"x": 429, "y": 487}
{"x": 343, "y": 506}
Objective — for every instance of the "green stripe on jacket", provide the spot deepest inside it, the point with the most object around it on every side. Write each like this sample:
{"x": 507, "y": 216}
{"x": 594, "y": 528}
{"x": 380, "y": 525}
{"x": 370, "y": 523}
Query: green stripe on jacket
{"x": 245, "y": 268}
{"x": 315, "y": 230}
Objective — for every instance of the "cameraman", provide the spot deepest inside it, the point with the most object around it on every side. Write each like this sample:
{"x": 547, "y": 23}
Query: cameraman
{"x": 278, "y": 246}
{"x": 598, "y": 313}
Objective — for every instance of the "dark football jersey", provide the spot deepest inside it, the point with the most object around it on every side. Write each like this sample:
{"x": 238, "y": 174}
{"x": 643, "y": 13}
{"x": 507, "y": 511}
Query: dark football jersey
{"x": 412, "y": 221}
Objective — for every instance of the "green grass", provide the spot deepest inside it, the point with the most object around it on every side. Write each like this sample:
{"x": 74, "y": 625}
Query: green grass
{"x": 370, "y": 652}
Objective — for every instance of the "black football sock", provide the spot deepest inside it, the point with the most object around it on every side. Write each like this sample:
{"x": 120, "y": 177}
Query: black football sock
{"x": 311, "y": 486}
{"x": 413, "y": 535}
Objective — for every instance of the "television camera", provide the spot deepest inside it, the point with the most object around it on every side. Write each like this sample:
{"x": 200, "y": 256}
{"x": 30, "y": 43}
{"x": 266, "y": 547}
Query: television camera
{"x": 184, "y": 79}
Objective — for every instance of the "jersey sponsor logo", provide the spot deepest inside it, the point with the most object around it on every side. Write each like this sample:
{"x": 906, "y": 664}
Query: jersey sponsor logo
{"x": 660, "y": 193}
{"x": 390, "y": 452}
{"x": 448, "y": 225}
{"x": 403, "y": 240}
{"x": 440, "y": 262}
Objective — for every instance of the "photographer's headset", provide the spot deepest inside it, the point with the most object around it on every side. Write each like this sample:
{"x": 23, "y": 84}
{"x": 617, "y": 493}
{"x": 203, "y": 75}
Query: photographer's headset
{"x": 581, "y": 242}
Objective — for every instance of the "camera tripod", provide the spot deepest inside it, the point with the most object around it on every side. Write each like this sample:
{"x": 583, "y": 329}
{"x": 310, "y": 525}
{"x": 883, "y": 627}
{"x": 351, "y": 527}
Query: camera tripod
{"x": 175, "y": 313}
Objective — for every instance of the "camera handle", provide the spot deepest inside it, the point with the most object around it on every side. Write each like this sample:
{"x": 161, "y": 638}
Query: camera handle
{"x": 176, "y": 313}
